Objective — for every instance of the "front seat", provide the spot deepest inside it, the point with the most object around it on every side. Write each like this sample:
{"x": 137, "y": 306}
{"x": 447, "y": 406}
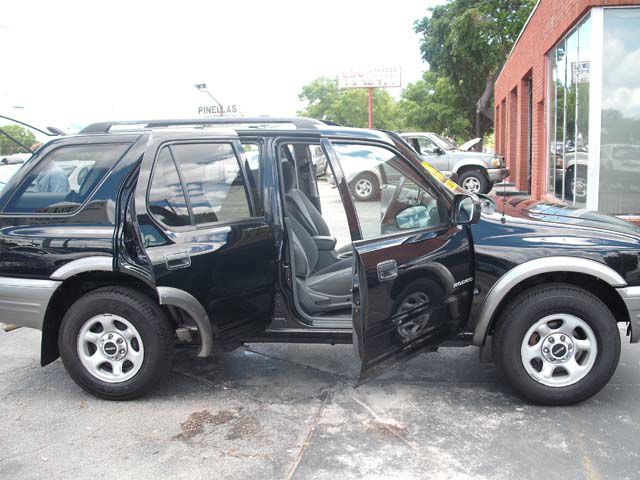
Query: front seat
{"x": 319, "y": 290}
{"x": 300, "y": 207}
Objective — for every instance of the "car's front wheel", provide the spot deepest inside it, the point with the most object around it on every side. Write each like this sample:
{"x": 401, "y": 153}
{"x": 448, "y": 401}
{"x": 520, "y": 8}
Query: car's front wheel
{"x": 116, "y": 343}
{"x": 557, "y": 344}
{"x": 475, "y": 181}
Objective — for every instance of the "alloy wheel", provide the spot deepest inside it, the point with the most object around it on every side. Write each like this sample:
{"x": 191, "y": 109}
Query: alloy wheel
{"x": 471, "y": 184}
{"x": 559, "y": 350}
{"x": 363, "y": 188}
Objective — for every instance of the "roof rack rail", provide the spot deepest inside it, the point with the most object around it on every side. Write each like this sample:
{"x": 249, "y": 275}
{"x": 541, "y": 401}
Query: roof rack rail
{"x": 298, "y": 122}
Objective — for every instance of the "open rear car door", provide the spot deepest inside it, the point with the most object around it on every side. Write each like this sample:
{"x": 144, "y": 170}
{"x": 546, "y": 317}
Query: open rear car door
{"x": 413, "y": 271}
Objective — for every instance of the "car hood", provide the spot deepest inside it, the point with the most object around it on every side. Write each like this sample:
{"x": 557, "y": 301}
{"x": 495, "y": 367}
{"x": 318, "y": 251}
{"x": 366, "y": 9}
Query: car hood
{"x": 468, "y": 145}
{"x": 458, "y": 155}
{"x": 527, "y": 209}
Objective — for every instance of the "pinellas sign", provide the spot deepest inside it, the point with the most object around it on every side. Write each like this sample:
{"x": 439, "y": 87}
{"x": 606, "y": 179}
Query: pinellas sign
{"x": 219, "y": 110}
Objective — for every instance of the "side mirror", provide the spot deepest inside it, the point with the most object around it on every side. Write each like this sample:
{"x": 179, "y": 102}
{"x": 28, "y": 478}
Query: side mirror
{"x": 413, "y": 217}
{"x": 466, "y": 210}
{"x": 438, "y": 151}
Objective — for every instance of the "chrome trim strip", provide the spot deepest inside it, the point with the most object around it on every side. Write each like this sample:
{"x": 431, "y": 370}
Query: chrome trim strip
{"x": 535, "y": 267}
{"x": 81, "y": 265}
{"x": 181, "y": 299}
{"x": 631, "y": 298}
{"x": 24, "y": 301}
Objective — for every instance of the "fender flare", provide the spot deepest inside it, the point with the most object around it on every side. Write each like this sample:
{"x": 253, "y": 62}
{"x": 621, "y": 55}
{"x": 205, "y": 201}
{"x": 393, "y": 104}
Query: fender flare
{"x": 82, "y": 265}
{"x": 529, "y": 269}
{"x": 179, "y": 298}
{"x": 469, "y": 163}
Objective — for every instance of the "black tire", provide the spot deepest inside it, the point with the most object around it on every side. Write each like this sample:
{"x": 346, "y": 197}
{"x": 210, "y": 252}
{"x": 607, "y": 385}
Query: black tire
{"x": 552, "y": 299}
{"x": 148, "y": 319}
{"x": 479, "y": 176}
{"x": 373, "y": 193}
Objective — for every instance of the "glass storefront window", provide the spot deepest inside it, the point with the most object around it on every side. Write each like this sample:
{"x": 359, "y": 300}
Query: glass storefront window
{"x": 619, "y": 189}
{"x": 569, "y": 132}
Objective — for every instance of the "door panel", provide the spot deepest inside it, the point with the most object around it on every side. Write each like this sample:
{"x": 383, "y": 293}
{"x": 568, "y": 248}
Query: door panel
{"x": 414, "y": 269}
{"x": 195, "y": 214}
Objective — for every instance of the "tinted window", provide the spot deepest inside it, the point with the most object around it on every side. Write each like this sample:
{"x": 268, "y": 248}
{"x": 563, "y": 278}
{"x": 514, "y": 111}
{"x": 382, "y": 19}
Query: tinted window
{"x": 166, "y": 197}
{"x": 252, "y": 155}
{"x": 64, "y": 179}
{"x": 213, "y": 180}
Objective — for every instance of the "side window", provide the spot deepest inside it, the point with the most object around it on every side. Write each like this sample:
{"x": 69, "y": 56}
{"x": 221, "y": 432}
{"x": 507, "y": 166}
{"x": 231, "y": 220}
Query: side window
{"x": 167, "y": 202}
{"x": 388, "y": 197}
{"x": 212, "y": 181}
{"x": 427, "y": 146}
{"x": 64, "y": 179}
{"x": 252, "y": 167}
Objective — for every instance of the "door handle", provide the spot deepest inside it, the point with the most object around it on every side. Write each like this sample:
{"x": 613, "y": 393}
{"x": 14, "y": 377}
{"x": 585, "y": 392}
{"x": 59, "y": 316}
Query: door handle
{"x": 387, "y": 270}
{"x": 177, "y": 260}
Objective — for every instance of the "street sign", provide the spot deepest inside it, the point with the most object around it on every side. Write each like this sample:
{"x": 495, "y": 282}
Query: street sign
{"x": 232, "y": 110}
{"x": 370, "y": 77}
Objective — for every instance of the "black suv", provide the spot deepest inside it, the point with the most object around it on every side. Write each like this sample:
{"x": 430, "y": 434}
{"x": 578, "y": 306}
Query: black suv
{"x": 131, "y": 238}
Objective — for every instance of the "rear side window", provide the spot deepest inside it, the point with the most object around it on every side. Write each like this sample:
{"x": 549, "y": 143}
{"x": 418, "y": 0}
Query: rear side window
{"x": 208, "y": 185}
{"x": 166, "y": 197}
{"x": 65, "y": 178}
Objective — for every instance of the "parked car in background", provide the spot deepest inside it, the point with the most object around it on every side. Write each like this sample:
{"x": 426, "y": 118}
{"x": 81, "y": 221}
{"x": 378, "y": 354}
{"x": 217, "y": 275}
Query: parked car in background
{"x": 477, "y": 171}
{"x": 319, "y": 161}
{"x": 14, "y": 158}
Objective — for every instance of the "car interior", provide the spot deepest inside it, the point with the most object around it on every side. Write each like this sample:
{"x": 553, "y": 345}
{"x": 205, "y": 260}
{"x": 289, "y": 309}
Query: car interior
{"x": 323, "y": 274}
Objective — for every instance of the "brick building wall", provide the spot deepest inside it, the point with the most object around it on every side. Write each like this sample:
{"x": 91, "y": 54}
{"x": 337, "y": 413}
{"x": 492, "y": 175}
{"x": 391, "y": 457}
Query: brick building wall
{"x": 550, "y": 22}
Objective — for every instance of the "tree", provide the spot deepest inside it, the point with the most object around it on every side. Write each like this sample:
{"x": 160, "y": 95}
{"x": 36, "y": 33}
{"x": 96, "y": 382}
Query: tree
{"x": 24, "y": 136}
{"x": 468, "y": 42}
{"x": 433, "y": 104}
{"x": 348, "y": 106}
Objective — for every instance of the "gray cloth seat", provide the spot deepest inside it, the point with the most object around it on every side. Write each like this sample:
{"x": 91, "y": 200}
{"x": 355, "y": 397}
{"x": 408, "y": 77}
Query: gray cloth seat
{"x": 303, "y": 210}
{"x": 319, "y": 290}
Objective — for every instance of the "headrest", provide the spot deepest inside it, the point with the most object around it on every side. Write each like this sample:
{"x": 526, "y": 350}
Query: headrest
{"x": 288, "y": 176}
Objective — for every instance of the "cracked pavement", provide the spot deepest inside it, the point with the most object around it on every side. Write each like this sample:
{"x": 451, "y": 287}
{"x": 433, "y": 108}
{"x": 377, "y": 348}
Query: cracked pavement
{"x": 290, "y": 411}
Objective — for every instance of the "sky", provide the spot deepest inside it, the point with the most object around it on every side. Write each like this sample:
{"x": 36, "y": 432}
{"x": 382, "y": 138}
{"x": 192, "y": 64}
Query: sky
{"x": 74, "y": 62}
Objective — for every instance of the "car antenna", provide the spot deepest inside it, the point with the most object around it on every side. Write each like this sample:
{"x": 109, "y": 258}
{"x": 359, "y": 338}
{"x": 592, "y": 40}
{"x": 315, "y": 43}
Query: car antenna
{"x": 503, "y": 219}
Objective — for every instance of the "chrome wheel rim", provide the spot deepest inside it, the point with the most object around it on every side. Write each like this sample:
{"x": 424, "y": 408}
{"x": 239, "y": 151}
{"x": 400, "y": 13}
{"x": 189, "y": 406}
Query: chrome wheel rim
{"x": 414, "y": 326}
{"x": 363, "y": 188}
{"x": 559, "y": 350}
{"x": 472, "y": 184}
{"x": 110, "y": 348}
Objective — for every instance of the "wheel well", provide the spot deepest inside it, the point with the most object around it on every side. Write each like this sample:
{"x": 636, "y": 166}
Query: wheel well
{"x": 467, "y": 168}
{"x": 597, "y": 287}
{"x": 71, "y": 290}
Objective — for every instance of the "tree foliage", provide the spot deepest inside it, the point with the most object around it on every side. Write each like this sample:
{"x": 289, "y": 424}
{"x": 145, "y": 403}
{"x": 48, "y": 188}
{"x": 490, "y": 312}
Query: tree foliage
{"x": 24, "y": 136}
{"x": 349, "y": 106}
{"x": 468, "y": 41}
{"x": 433, "y": 104}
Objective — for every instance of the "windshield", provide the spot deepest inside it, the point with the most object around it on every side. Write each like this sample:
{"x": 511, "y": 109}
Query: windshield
{"x": 448, "y": 144}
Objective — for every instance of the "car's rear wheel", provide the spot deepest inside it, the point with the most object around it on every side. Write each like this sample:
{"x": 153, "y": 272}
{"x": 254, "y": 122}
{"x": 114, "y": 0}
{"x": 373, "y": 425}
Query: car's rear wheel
{"x": 557, "y": 344}
{"x": 116, "y": 343}
{"x": 475, "y": 181}
{"x": 365, "y": 187}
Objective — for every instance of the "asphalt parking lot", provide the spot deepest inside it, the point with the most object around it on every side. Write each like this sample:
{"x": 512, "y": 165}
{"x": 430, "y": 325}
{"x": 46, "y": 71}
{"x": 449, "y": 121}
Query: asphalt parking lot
{"x": 290, "y": 411}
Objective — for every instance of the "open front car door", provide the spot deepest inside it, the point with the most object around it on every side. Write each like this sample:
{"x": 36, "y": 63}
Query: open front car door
{"x": 413, "y": 266}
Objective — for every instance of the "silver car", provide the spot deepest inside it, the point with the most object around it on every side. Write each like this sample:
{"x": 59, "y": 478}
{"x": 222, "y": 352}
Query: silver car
{"x": 477, "y": 171}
